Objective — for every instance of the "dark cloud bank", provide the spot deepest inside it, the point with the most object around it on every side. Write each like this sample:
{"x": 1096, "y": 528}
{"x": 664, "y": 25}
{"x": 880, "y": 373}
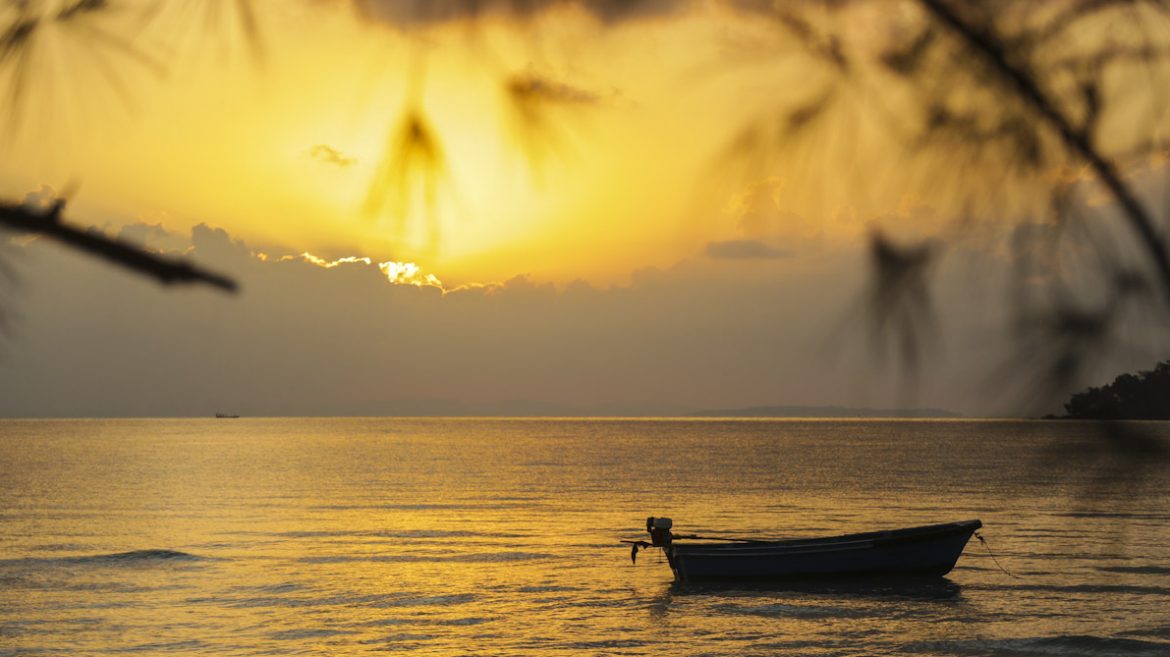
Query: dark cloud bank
{"x": 744, "y": 250}
{"x": 301, "y": 339}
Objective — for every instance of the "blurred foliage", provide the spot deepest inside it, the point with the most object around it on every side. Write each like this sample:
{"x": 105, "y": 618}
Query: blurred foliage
{"x": 1003, "y": 92}
{"x": 412, "y": 165}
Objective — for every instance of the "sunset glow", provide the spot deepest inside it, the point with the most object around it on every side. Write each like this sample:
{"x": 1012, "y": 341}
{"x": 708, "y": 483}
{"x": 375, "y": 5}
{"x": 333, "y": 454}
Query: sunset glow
{"x": 397, "y": 273}
{"x": 531, "y": 328}
{"x": 562, "y": 148}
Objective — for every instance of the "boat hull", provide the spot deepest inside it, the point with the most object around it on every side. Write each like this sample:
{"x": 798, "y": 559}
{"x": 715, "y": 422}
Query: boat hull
{"x": 930, "y": 550}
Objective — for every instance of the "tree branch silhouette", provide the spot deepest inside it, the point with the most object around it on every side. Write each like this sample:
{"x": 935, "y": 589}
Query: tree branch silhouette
{"x": 164, "y": 270}
{"x": 1076, "y": 140}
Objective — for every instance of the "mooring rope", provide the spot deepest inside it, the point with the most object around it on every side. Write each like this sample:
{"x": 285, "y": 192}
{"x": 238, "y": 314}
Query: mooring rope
{"x": 992, "y": 555}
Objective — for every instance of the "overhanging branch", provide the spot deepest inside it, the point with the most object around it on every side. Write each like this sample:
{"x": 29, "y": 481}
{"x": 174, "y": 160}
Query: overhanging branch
{"x": 1077, "y": 140}
{"x": 167, "y": 271}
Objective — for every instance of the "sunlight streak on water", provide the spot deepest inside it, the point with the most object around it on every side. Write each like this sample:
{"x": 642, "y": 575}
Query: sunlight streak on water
{"x": 346, "y": 536}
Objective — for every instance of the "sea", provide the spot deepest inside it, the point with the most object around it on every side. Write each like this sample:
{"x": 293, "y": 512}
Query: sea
{"x": 472, "y": 536}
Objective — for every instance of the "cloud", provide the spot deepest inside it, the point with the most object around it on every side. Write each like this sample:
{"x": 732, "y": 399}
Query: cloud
{"x": 358, "y": 335}
{"x": 759, "y": 215}
{"x": 757, "y": 210}
{"x": 154, "y": 237}
{"x": 311, "y": 335}
{"x": 40, "y": 199}
{"x": 397, "y": 273}
{"x": 328, "y": 155}
{"x": 218, "y": 247}
{"x": 744, "y": 250}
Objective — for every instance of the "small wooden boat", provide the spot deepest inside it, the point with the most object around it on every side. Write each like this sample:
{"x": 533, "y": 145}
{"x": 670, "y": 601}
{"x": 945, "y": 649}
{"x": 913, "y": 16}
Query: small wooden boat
{"x": 930, "y": 550}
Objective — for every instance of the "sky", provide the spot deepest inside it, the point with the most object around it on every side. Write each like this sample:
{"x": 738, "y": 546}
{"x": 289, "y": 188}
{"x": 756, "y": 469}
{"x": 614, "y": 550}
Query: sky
{"x": 573, "y": 207}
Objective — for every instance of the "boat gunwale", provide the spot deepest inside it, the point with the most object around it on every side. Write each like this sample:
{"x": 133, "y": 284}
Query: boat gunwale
{"x": 863, "y": 540}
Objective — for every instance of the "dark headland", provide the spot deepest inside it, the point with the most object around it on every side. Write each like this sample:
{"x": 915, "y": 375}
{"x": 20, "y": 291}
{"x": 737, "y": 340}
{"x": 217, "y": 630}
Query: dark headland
{"x": 1141, "y": 396}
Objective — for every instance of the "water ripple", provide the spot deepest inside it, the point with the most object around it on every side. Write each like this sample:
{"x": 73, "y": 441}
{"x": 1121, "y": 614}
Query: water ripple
{"x": 1057, "y": 646}
{"x": 479, "y": 557}
{"x": 302, "y": 634}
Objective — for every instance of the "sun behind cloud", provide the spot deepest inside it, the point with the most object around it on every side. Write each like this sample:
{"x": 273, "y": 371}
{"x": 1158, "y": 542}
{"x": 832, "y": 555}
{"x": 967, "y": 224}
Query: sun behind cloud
{"x": 398, "y": 273}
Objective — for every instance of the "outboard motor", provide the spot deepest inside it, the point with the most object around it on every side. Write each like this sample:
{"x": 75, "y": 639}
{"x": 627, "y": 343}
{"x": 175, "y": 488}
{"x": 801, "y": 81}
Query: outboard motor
{"x": 659, "y": 529}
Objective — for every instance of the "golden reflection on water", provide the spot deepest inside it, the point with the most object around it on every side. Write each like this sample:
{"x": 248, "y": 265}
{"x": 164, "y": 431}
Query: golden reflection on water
{"x": 346, "y": 536}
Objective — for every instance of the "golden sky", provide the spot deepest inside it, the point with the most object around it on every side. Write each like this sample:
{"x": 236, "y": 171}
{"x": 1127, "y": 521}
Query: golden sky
{"x": 576, "y": 141}
{"x": 563, "y": 146}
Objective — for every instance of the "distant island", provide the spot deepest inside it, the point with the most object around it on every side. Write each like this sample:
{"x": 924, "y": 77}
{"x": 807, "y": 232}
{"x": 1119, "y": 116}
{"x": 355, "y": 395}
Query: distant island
{"x": 826, "y": 411}
{"x": 1141, "y": 396}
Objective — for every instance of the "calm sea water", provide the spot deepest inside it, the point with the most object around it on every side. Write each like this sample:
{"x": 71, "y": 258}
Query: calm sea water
{"x": 499, "y": 537}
